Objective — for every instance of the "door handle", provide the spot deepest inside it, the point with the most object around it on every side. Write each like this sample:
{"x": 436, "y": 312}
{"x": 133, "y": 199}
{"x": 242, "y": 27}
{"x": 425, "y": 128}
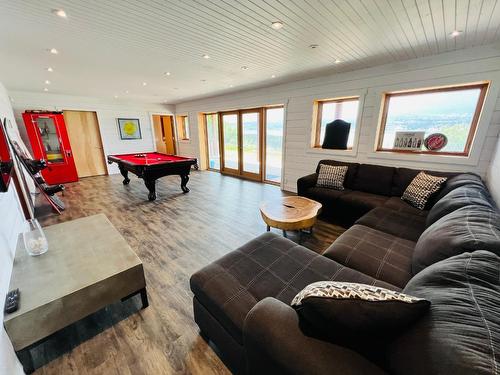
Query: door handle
{"x": 68, "y": 154}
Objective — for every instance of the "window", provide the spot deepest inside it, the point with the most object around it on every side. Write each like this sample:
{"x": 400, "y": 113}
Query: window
{"x": 451, "y": 111}
{"x": 212, "y": 124}
{"x": 183, "y": 127}
{"x": 335, "y": 109}
{"x": 274, "y": 143}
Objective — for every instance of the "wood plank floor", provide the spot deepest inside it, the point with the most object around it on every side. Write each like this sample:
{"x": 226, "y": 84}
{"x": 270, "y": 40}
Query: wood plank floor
{"x": 174, "y": 236}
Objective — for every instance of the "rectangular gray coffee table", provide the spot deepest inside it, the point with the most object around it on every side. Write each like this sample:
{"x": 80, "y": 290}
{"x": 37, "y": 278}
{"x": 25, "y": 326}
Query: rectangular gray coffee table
{"x": 88, "y": 266}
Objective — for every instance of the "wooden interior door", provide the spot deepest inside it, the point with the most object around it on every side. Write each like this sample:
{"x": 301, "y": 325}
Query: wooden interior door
{"x": 86, "y": 144}
{"x": 159, "y": 134}
{"x": 169, "y": 134}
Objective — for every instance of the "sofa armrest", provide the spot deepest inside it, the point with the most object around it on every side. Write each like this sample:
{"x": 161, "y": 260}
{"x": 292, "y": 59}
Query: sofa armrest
{"x": 274, "y": 343}
{"x": 306, "y": 182}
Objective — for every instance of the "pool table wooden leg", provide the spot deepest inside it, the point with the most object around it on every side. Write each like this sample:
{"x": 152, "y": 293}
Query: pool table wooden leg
{"x": 124, "y": 173}
{"x": 151, "y": 185}
{"x": 184, "y": 181}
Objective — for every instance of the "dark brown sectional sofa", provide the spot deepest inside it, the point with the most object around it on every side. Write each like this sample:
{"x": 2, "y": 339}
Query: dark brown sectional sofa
{"x": 448, "y": 254}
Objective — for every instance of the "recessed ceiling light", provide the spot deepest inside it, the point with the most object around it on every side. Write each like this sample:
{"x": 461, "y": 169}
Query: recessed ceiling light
{"x": 276, "y": 25}
{"x": 313, "y": 46}
{"x": 60, "y": 13}
{"x": 337, "y": 61}
{"x": 204, "y": 80}
{"x": 455, "y": 33}
{"x": 167, "y": 73}
{"x": 205, "y": 56}
{"x": 53, "y": 51}
{"x": 231, "y": 86}
{"x": 115, "y": 96}
{"x": 47, "y": 82}
{"x": 273, "y": 76}
{"x": 176, "y": 88}
{"x": 45, "y": 89}
{"x": 244, "y": 67}
{"x": 49, "y": 69}
{"x": 144, "y": 83}
{"x": 126, "y": 91}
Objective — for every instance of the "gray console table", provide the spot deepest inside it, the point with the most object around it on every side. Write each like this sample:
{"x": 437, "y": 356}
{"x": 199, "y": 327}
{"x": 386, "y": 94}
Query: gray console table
{"x": 89, "y": 265}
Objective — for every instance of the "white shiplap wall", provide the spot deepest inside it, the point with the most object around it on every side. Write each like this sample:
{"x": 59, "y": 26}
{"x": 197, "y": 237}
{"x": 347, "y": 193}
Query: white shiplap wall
{"x": 107, "y": 114}
{"x": 493, "y": 175}
{"x": 11, "y": 224}
{"x": 470, "y": 65}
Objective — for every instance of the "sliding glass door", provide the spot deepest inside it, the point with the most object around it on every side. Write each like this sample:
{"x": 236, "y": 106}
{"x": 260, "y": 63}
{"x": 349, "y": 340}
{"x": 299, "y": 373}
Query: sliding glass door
{"x": 213, "y": 144}
{"x": 250, "y": 143}
{"x": 246, "y": 143}
{"x": 230, "y": 143}
{"x": 274, "y": 144}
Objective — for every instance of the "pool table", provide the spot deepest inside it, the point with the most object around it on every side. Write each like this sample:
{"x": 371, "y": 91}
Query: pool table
{"x": 151, "y": 166}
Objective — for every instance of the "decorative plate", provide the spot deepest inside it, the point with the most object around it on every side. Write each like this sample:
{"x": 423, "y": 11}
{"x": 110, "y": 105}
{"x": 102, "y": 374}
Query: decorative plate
{"x": 435, "y": 142}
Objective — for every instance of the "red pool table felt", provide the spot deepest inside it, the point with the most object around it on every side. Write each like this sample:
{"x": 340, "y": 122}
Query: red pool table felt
{"x": 150, "y": 158}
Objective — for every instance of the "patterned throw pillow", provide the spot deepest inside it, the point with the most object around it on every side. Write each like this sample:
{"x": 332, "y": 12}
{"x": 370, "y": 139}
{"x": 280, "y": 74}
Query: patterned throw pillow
{"x": 331, "y": 176}
{"x": 421, "y": 188}
{"x": 346, "y": 312}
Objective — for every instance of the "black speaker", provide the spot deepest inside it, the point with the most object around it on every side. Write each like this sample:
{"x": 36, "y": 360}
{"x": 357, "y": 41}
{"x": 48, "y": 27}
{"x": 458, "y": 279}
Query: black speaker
{"x": 336, "y": 135}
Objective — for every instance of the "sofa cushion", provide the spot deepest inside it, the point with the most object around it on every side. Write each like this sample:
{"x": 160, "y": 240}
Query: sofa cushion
{"x": 461, "y": 332}
{"x": 355, "y": 204}
{"x": 397, "y": 223}
{"x": 347, "y": 311}
{"x": 352, "y": 169}
{"x": 267, "y": 266}
{"x": 397, "y": 204}
{"x": 466, "y": 229}
{"x": 327, "y": 197}
{"x": 459, "y": 180}
{"x": 375, "y": 179}
{"x": 467, "y": 195}
{"x": 380, "y": 255}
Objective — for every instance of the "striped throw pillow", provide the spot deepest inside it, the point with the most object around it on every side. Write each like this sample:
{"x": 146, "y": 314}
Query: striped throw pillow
{"x": 421, "y": 188}
{"x": 331, "y": 176}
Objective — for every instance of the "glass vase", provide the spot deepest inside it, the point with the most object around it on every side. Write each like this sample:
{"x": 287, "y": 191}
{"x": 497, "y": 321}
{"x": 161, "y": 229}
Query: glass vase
{"x": 35, "y": 241}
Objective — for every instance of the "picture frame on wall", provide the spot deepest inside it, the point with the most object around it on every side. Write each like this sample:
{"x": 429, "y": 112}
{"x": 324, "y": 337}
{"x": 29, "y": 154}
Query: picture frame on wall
{"x": 129, "y": 128}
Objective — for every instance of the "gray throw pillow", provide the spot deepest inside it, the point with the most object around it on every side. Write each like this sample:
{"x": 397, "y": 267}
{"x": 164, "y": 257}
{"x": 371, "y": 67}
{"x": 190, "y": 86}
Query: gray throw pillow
{"x": 421, "y": 188}
{"x": 331, "y": 176}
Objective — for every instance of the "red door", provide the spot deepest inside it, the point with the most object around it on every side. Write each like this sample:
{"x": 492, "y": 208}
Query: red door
{"x": 49, "y": 141}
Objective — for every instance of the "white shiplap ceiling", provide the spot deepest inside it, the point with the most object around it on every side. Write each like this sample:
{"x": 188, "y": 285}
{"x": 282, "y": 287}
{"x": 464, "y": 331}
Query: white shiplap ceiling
{"x": 109, "y": 48}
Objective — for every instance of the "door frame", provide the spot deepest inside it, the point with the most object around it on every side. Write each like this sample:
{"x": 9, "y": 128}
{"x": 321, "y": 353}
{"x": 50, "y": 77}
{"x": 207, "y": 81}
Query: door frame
{"x": 264, "y": 144}
{"x": 172, "y": 126}
{"x": 262, "y": 139}
{"x": 250, "y": 175}
{"x": 151, "y": 114}
{"x": 203, "y": 119}
{"x": 223, "y": 169}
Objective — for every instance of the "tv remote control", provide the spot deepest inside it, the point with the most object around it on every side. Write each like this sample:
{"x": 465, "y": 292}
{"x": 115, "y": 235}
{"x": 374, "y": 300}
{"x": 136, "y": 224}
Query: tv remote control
{"x": 12, "y": 301}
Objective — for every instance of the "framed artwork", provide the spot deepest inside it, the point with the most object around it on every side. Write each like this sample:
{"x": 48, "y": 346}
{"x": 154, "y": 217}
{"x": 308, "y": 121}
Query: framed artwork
{"x": 408, "y": 140}
{"x": 129, "y": 128}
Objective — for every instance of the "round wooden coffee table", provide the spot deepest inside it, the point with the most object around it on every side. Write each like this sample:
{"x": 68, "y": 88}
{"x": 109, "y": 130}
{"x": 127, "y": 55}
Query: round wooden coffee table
{"x": 290, "y": 213}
